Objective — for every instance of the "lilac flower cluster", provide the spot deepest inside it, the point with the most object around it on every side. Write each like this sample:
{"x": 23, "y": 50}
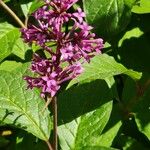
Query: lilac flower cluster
{"x": 73, "y": 47}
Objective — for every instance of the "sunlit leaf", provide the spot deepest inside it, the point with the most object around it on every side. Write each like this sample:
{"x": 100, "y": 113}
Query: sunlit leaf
{"x": 22, "y": 108}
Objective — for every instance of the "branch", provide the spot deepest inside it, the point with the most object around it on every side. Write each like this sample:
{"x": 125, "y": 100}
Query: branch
{"x": 12, "y": 14}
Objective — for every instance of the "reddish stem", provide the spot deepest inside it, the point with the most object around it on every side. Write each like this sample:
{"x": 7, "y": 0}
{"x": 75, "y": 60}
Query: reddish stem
{"x": 54, "y": 107}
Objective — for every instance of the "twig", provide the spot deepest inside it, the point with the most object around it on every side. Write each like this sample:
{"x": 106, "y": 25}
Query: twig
{"x": 26, "y": 21}
{"x": 53, "y": 101}
{"x": 54, "y": 107}
{"x": 49, "y": 145}
{"x": 12, "y": 14}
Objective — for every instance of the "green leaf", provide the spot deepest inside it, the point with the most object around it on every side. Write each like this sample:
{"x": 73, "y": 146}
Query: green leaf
{"x": 8, "y": 37}
{"x": 3, "y": 142}
{"x": 130, "y": 51}
{"x": 109, "y": 17}
{"x": 9, "y": 65}
{"x": 83, "y": 113}
{"x": 136, "y": 102}
{"x": 129, "y": 91}
{"x": 142, "y": 111}
{"x": 133, "y": 33}
{"x": 103, "y": 67}
{"x": 129, "y": 143}
{"x": 112, "y": 128}
{"x": 20, "y": 48}
{"x": 35, "y": 5}
{"x": 25, "y": 8}
{"x": 28, "y": 7}
{"x": 6, "y": 1}
{"x": 33, "y": 143}
{"x": 142, "y": 7}
{"x": 97, "y": 148}
{"x": 21, "y": 107}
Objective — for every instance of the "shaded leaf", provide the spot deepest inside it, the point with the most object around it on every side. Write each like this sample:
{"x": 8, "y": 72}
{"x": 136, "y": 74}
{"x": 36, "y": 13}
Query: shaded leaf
{"x": 83, "y": 113}
{"x": 27, "y": 141}
{"x": 3, "y": 142}
{"x": 142, "y": 112}
{"x": 129, "y": 143}
{"x": 136, "y": 102}
{"x": 129, "y": 91}
{"x": 109, "y": 17}
{"x": 134, "y": 51}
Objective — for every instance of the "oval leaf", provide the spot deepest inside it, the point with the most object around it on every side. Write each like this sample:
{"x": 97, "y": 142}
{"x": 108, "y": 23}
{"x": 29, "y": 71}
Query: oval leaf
{"x": 20, "y": 49}
{"x": 103, "y": 67}
{"x": 8, "y": 37}
{"x": 98, "y": 148}
{"x": 142, "y": 7}
{"x": 83, "y": 113}
{"x": 9, "y": 65}
{"x": 22, "y": 108}
{"x": 109, "y": 17}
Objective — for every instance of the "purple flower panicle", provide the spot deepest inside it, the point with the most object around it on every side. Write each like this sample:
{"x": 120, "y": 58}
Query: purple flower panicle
{"x": 50, "y": 76}
{"x": 73, "y": 47}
